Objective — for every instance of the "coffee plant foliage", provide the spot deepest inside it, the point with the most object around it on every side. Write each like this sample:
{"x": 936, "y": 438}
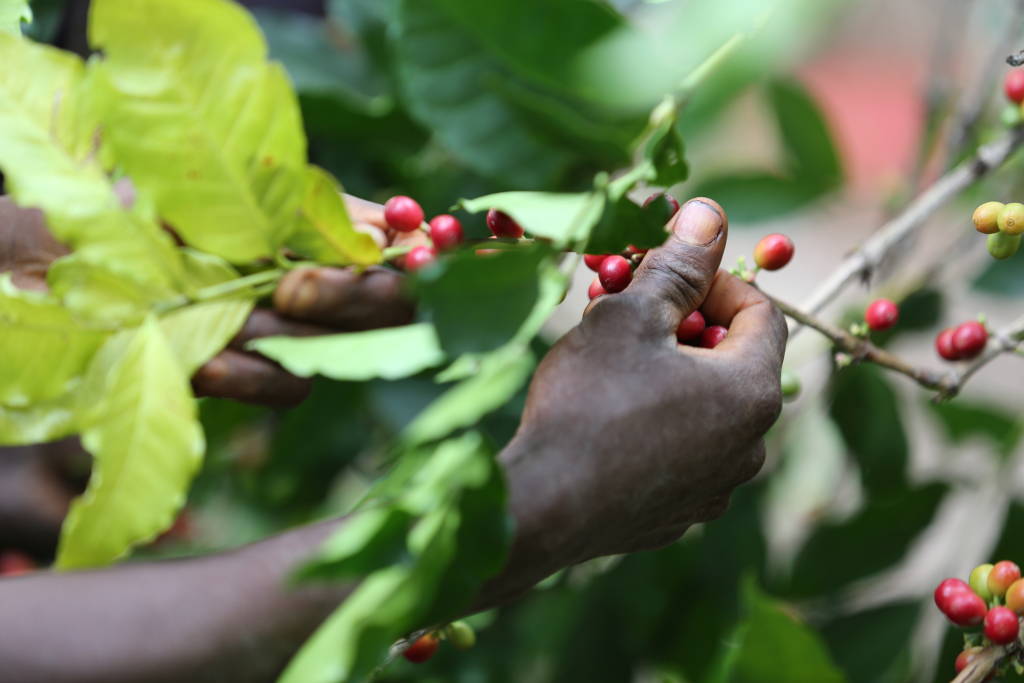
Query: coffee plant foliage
{"x": 234, "y": 128}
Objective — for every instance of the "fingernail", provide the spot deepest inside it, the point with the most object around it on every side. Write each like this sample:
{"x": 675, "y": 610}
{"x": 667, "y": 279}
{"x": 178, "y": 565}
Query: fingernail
{"x": 697, "y": 223}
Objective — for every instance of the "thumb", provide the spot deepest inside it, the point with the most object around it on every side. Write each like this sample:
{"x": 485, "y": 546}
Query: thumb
{"x": 678, "y": 275}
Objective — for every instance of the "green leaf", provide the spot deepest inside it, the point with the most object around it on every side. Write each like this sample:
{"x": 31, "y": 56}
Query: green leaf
{"x": 12, "y": 14}
{"x": 835, "y": 554}
{"x": 389, "y": 353}
{"x": 40, "y": 422}
{"x": 48, "y": 155}
{"x": 324, "y": 232}
{"x": 562, "y": 218}
{"x": 478, "y": 303}
{"x": 44, "y": 349}
{"x": 146, "y": 444}
{"x": 501, "y": 375}
{"x": 665, "y": 150}
{"x": 866, "y": 410}
{"x": 199, "y": 332}
{"x": 447, "y": 75}
{"x": 1002, "y": 278}
{"x": 97, "y": 294}
{"x": 964, "y": 420}
{"x": 201, "y": 122}
{"x": 871, "y": 646}
{"x": 771, "y": 645}
{"x": 754, "y": 196}
{"x": 368, "y": 541}
{"x": 812, "y": 157}
{"x": 624, "y": 223}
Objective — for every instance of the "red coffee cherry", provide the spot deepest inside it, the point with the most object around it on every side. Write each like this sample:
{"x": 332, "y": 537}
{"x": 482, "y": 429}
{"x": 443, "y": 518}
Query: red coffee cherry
{"x": 966, "y": 657}
{"x": 966, "y": 609}
{"x": 503, "y": 225}
{"x": 945, "y": 591}
{"x": 1001, "y": 625}
{"x": 402, "y": 213}
{"x": 944, "y": 344}
{"x": 691, "y": 327}
{"x": 595, "y": 290}
{"x": 615, "y": 274}
{"x": 969, "y": 339}
{"x": 419, "y": 256}
{"x": 773, "y": 251}
{"x": 422, "y": 649}
{"x": 1002, "y": 576}
{"x": 881, "y": 314}
{"x": 445, "y": 232}
{"x": 713, "y": 336}
{"x": 1013, "y": 85}
{"x": 594, "y": 261}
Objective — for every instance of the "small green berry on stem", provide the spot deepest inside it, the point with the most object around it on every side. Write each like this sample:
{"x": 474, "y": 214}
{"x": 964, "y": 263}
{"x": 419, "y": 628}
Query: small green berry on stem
{"x": 503, "y": 225}
{"x": 402, "y": 213}
{"x": 461, "y": 635}
{"x": 979, "y": 581}
{"x": 773, "y": 251}
{"x": 1002, "y": 245}
{"x": 881, "y": 314}
{"x": 1011, "y": 115}
{"x": 1011, "y": 218}
{"x": 790, "y": 384}
{"x": 986, "y": 217}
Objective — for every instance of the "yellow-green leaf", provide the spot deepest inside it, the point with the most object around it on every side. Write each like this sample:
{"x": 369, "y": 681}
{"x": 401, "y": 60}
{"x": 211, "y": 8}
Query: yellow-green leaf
{"x": 324, "y": 231}
{"x": 146, "y": 443}
{"x": 40, "y": 422}
{"x": 201, "y": 121}
{"x": 44, "y": 350}
{"x": 12, "y": 13}
{"x": 49, "y": 157}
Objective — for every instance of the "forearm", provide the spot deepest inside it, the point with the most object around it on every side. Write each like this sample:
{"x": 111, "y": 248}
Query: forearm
{"x": 227, "y": 617}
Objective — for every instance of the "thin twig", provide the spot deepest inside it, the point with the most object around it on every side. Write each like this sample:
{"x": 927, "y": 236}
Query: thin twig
{"x": 871, "y": 253}
{"x": 946, "y": 384}
{"x": 982, "y": 664}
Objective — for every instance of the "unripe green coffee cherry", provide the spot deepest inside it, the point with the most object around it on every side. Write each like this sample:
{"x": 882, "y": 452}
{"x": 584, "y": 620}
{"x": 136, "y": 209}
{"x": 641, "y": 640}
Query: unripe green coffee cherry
{"x": 1011, "y": 218}
{"x": 1003, "y": 246}
{"x": 790, "y": 385}
{"x": 986, "y": 217}
{"x": 1011, "y": 115}
{"x": 461, "y": 635}
{"x": 979, "y": 581}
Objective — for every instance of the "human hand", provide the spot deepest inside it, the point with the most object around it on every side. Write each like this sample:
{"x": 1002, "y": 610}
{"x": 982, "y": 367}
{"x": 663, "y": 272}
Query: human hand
{"x": 308, "y": 301}
{"x": 628, "y": 437}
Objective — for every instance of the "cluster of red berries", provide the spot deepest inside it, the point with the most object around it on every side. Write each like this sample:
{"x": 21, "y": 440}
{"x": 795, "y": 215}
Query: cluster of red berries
{"x": 458, "y": 633}
{"x": 404, "y": 214}
{"x": 963, "y": 342}
{"x": 1004, "y": 225}
{"x": 993, "y": 599}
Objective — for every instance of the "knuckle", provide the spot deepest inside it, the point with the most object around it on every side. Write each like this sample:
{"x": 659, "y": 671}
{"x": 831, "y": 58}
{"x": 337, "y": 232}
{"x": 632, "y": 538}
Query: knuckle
{"x": 678, "y": 276}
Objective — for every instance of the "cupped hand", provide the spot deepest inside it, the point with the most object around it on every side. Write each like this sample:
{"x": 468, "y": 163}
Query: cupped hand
{"x": 628, "y": 437}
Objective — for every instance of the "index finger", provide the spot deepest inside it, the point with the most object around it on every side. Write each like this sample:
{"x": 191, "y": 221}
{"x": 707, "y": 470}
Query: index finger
{"x": 757, "y": 329}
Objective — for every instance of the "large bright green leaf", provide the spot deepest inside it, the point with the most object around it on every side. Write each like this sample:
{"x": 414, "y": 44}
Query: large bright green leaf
{"x": 44, "y": 349}
{"x": 49, "y": 157}
{"x": 201, "y": 122}
{"x": 388, "y": 353}
{"x": 812, "y": 156}
{"x": 12, "y": 13}
{"x": 40, "y": 422}
{"x": 447, "y": 74}
{"x": 771, "y": 646}
{"x": 324, "y": 232}
{"x": 146, "y": 444}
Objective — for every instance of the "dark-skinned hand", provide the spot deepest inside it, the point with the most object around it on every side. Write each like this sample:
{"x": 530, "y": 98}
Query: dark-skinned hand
{"x": 628, "y": 437}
